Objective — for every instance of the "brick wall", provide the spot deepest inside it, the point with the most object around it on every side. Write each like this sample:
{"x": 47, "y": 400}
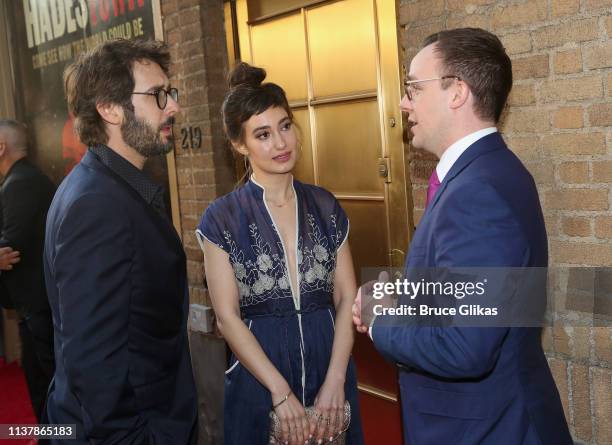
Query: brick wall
{"x": 195, "y": 31}
{"x": 559, "y": 123}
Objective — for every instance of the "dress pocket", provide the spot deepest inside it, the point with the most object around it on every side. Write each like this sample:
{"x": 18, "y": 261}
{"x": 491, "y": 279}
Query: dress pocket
{"x": 235, "y": 364}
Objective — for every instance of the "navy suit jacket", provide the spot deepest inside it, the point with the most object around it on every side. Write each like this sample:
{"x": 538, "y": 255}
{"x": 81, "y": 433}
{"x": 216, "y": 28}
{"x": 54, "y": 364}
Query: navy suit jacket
{"x": 116, "y": 279}
{"x": 477, "y": 385}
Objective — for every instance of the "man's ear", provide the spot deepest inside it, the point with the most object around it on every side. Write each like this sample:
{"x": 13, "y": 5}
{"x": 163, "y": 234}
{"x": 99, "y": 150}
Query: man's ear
{"x": 111, "y": 113}
{"x": 461, "y": 93}
{"x": 2, "y": 148}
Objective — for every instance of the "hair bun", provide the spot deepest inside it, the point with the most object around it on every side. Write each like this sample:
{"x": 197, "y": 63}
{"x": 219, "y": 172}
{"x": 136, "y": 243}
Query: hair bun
{"x": 245, "y": 74}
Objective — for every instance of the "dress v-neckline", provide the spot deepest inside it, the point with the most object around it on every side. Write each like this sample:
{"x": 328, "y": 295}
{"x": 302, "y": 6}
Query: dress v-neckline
{"x": 295, "y": 293}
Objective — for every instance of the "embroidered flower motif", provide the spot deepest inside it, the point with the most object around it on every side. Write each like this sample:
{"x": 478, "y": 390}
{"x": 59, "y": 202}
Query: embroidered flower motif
{"x": 264, "y": 262}
{"x": 319, "y": 271}
{"x": 258, "y": 287}
{"x": 310, "y": 276}
{"x": 320, "y": 253}
{"x": 266, "y": 281}
{"x": 239, "y": 271}
{"x": 283, "y": 282}
{"x": 244, "y": 289}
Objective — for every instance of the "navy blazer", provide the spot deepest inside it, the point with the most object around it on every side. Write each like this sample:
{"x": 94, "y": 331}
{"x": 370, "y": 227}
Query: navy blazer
{"x": 116, "y": 279}
{"x": 477, "y": 385}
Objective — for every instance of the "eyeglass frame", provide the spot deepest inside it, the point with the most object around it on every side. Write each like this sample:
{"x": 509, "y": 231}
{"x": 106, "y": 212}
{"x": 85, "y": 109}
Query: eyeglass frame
{"x": 409, "y": 83}
{"x": 167, "y": 93}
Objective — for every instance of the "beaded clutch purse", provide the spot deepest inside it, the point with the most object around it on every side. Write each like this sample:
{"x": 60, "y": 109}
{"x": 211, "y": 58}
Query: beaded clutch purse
{"x": 311, "y": 414}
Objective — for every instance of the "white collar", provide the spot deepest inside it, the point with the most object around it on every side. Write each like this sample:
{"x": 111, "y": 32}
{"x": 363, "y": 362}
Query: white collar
{"x": 452, "y": 153}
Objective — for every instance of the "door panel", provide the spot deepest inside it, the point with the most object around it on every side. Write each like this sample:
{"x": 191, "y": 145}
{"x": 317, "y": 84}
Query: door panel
{"x": 278, "y": 46}
{"x": 338, "y": 62}
{"x": 342, "y": 47}
{"x": 348, "y": 135}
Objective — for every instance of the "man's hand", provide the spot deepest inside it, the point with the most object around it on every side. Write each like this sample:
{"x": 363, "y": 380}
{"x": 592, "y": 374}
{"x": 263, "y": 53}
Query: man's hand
{"x": 363, "y": 307}
{"x": 8, "y": 257}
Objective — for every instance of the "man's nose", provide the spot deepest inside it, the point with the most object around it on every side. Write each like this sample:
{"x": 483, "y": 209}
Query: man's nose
{"x": 172, "y": 106}
{"x": 406, "y": 104}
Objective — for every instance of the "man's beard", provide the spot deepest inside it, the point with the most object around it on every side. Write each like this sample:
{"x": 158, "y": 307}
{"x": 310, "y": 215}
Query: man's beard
{"x": 139, "y": 135}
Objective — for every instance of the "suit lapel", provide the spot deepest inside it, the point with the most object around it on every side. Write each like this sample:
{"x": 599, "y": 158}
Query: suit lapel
{"x": 484, "y": 145}
{"x": 165, "y": 226}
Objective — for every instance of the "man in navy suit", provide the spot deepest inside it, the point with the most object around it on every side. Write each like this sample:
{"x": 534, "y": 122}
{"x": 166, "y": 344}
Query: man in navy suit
{"x": 470, "y": 385}
{"x": 114, "y": 265}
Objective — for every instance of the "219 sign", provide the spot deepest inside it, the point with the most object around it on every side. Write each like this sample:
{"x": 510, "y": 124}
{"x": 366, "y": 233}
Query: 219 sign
{"x": 191, "y": 137}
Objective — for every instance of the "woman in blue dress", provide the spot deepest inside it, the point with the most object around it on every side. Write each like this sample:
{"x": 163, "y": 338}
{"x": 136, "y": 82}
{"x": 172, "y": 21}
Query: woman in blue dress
{"x": 281, "y": 280}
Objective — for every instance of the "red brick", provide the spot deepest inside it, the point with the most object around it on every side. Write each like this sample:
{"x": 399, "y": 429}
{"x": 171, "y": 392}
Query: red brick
{"x": 603, "y": 344}
{"x": 577, "y": 199}
{"x": 578, "y": 253}
{"x": 602, "y": 404}
{"x": 574, "y": 144}
{"x": 517, "y": 43}
{"x": 561, "y": 8}
{"x": 560, "y": 340}
{"x": 568, "y": 117}
{"x": 413, "y": 36}
{"x": 574, "y": 31}
{"x": 522, "y": 120}
{"x": 420, "y": 10}
{"x": 580, "y": 88}
{"x": 576, "y": 226}
{"x": 581, "y": 402}
{"x": 597, "y": 4}
{"x": 603, "y": 227}
{"x": 467, "y": 6}
{"x": 522, "y": 95}
{"x": 600, "y": 115}
{"x": 525, "y": 147}
{"x": 574, "y": 172}
{"x": 519, "y": 14}
{"x": 598, "y": 56}
{"x": 530, "y": 67}
{"x": 568, "y": 62}
{"x": 602, "y": 171}
{"x": 581, "y": 343}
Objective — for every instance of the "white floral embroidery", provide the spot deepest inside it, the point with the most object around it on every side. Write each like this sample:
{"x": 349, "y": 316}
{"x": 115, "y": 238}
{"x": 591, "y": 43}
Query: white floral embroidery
{"x": 267, "y": 277}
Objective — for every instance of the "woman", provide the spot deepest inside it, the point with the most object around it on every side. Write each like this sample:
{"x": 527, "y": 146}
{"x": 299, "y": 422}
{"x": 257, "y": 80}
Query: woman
{"x": 281, "y": 280}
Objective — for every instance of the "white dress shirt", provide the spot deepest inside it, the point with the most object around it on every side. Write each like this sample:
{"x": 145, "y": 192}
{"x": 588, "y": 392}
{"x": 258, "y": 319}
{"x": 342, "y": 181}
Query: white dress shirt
{"x": 448, "y": 159}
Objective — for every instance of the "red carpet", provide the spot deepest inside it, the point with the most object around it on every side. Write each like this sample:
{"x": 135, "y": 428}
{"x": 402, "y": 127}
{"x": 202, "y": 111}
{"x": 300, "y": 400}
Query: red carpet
{"x": 15, "y": 404}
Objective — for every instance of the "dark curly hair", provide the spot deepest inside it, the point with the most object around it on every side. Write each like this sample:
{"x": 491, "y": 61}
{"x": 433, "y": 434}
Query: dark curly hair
{"x": 104, "y": 75}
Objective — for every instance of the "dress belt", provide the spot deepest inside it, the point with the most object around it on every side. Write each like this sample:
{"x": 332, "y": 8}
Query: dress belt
{"x": 311, "y": 307}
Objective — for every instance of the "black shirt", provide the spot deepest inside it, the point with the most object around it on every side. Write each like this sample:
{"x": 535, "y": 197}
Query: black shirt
{"x": 150, "y": 191}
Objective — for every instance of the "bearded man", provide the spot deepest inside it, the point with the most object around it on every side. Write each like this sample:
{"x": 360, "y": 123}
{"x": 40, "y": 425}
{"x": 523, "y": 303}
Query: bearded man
{"x": 114, "y": 265}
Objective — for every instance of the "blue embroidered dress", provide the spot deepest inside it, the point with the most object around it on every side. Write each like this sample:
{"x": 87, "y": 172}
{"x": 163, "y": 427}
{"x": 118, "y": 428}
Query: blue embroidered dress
{"x": 295, "y": 327}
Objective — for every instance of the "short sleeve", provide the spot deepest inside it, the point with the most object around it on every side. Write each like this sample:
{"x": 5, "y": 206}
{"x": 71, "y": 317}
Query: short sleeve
{"x": 341, "y": 223}
{"x": 212, "y": 228}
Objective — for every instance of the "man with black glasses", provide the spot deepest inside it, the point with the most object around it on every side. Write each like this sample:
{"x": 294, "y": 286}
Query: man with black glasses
{"x": 471, "y": 385}
{"x": 114, "y": 265}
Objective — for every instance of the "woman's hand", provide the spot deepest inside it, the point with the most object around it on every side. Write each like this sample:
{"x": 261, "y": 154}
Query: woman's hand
{"x": 295, "y": 429}
{"x": 329, "y": 404}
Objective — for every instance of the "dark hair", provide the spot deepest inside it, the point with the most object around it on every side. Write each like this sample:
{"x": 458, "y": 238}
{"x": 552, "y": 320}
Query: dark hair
{"x": 249, "y": 96}
{"x": 480, "y": 60}
{"x": 104, "y": 75}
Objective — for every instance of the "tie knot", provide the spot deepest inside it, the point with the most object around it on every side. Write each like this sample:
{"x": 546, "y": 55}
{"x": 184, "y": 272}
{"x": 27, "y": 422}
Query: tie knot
{"x": 433, "y": 179}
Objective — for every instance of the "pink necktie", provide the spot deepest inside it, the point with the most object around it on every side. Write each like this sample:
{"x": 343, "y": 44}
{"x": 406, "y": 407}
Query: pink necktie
{"x": 432, "y": 187}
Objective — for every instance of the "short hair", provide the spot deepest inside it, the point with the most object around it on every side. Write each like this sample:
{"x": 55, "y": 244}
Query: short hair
{"x": 248, "y": 96}
{"x": 480, "y": 60}
{"x": 104, "y": 75}
{"x": 15, "y": 133}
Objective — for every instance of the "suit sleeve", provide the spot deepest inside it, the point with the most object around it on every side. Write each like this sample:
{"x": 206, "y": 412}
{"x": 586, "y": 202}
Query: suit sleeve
{"x": 477, "y": 228}
{"x": 92, "y": 269}
{"x": 19, "y": 214}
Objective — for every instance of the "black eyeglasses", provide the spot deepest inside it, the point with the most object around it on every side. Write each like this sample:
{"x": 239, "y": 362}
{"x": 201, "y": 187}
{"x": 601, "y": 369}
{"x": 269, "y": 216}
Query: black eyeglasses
{"x": 408, "y": 84}
{"x": 161, "y": 96}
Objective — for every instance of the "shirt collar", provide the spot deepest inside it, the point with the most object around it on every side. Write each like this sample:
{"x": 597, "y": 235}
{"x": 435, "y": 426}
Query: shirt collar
{"x": 135, "y": 177}
{"x": 452, "y": 153}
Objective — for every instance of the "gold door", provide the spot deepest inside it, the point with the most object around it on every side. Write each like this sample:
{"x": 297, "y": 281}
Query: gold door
{"x": 338, "y": 63}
